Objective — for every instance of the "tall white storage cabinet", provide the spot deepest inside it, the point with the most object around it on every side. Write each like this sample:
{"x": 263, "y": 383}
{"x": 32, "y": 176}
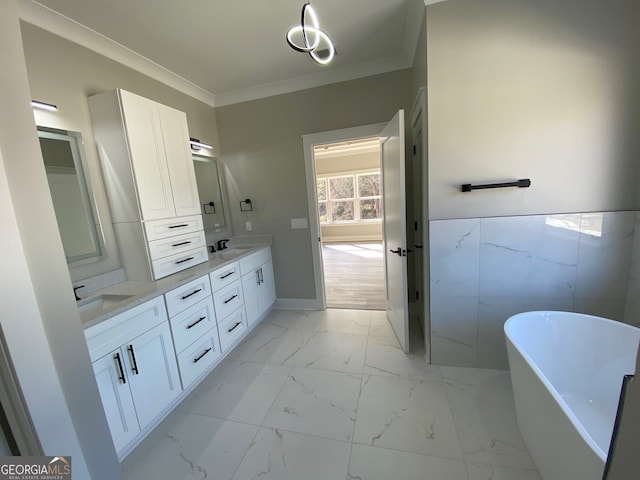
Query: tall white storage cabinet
{"x": 151, "y": 184}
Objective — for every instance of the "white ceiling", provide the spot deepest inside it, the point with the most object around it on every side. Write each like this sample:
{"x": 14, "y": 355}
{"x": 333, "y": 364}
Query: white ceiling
{"x": 235, "y": 50}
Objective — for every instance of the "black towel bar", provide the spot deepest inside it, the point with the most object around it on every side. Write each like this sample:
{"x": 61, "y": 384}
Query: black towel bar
{"x": 522, "y": 183}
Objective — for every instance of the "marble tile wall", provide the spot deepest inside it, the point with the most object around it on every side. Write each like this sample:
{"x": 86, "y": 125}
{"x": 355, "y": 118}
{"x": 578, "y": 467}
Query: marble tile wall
{"x": 483, "y": 270}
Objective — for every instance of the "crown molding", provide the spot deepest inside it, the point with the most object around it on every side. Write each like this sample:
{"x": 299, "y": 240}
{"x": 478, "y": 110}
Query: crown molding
{"x": 58, "y": 24}
{"x": 342, "y": 74}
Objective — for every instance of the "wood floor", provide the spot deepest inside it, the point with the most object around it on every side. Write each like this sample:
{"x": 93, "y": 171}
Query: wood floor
{"x": 354, "y": 275}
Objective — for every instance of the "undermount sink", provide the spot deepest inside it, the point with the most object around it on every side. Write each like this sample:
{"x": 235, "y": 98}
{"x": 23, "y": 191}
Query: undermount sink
{"x": 100, "y": 302}
{"x": 232, "y": 252}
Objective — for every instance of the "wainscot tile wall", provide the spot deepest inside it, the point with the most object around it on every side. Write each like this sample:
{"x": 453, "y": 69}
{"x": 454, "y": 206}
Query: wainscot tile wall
{"x": 632, "y": 310}
{"x": 483, "y": 270}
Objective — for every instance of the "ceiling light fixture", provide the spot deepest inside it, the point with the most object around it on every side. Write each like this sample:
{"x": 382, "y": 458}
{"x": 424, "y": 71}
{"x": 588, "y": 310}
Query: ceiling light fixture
{"x": 308, "y": 38}
{"x": 44, "y": 106}
{"x": 196, "y": 144}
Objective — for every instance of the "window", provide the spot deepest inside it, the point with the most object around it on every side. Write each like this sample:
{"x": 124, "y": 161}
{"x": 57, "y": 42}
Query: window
{"x": 349, "y": 198}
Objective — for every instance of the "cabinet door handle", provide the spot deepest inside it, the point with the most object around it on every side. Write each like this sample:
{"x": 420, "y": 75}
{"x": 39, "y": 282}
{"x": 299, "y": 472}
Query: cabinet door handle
{"x": 196, "y": 322}
{"x": 234, "y": 327}
{"x": 258, "y": 277}
{"x": 261, "y": 276}
{"x": 192, "y": 293}
{"x": 196, "y": 360}
{"x": 185, "y": 260}
{"x": 227, "y": 275}
{"x": 133, "y": 360}
{"x": 180, "y": 244}
{"x": 229, "y": 299}
{"x": 179, "y": 226}
{"x": 121, "y": 377}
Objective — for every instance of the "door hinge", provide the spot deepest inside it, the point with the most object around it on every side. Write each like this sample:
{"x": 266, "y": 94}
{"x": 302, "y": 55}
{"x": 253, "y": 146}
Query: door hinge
{"x": 415, "y": 226}
{"x": 414, "y": 149}
{"x": 417, "y": 295}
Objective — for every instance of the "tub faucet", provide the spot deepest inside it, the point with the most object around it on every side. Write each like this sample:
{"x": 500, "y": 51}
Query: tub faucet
{"x": 222, "y": 244}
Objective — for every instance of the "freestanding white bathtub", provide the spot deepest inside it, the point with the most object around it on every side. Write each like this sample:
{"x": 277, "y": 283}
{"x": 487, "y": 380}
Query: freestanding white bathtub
{"x": 567, "y": 370}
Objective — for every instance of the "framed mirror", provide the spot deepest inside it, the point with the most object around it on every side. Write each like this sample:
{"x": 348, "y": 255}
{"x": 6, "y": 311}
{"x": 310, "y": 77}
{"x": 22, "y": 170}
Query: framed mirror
{"x": 64, "y": 162}
{"x": 211, "y": 193}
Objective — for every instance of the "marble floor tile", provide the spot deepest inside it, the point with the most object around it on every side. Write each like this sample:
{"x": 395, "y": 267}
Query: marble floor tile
{"x": 385, "y": 357}
{"x": 355, "y": 322}
{"x": 491, "y": 472}
{"x": 317, "y": 402}
{"x": 373, "y": 463}
{"x": 476, "y": 376}
{"x": 274, "y": 345}
{"x": 411, "y": 415}
{"x": 380, "y": 325}
{"x": 194, "y": 447}
{"x": 487, "y": 427}
{"x": 244, "y": 393}
{"x": 333, "y": 351}
{"x": 293, "y": 319}
{"x": 282, "y": 455}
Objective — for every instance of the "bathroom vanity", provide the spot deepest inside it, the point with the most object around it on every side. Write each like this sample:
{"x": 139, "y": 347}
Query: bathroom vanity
{"x": 151, "y": 343}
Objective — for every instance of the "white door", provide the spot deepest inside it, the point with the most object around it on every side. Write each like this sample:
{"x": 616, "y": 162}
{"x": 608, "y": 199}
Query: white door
{"x": 148, "y": 156}
{"x": 152, "y": 371}
{"x": 116, "y": 398}
{"x": 179, "y": 161}
{"x": 394, "y": 231}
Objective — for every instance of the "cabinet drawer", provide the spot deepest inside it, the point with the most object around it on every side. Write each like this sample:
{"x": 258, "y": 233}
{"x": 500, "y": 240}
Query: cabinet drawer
{"x": 187, "y": 295}
{"x": 109, "y": 335}
{"x": 224, "y": 276}
{"x": 254, "y": 260}
{"x": 227, "y": 299}
{"x": 192, "y": 323}
{"x": 180, "y": 261}
{"x": 197, "y": 359}
{"x": 170, "y": 227}
{"x": 175, "y": 245}
{"x": 231, "y": 328}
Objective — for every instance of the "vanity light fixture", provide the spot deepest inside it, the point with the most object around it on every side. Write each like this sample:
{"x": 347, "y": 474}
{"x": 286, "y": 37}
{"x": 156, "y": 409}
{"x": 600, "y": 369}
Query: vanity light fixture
{"x": 308, "y": 38}
{"x": 196, "y": 144}
{"x": 44, "y": 106}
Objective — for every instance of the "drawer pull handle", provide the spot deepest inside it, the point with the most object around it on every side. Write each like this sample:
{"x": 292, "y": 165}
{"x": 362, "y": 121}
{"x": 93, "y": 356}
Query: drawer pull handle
{"x": 196, "y": 322}
{"x": 229, "y": 299}
{"x": 234, "y": 327}
{"x": 196, "y": 360}
{"x": 120, "y": 369}
{"x": 181, "y": 243}
{"x": 133, "y": 359}
{"x": 179, "y": 226}
{"x": 185, "y": 260}
{"x": 227, "y": 275}
{"x": 192, "y": 293}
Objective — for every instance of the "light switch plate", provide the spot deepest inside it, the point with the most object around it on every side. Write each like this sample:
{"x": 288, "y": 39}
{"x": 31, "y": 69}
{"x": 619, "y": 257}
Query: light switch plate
{"x": 299, "y": 223}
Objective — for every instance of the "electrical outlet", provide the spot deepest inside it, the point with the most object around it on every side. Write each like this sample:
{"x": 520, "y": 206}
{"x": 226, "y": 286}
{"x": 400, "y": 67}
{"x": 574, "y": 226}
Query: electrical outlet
{"x": 247, "y": 226}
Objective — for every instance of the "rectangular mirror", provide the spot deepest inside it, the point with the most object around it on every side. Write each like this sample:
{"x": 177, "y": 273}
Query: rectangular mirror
{"x": 63, "y": 155}
{"x": 210, "y": 192}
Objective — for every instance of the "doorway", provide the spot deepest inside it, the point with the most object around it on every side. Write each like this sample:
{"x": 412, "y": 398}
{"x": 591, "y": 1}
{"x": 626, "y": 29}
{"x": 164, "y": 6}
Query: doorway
{"x": 349, "y": 209}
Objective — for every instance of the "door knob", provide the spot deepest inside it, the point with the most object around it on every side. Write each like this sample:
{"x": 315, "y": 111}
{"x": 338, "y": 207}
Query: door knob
{"x": 398, "y": 251}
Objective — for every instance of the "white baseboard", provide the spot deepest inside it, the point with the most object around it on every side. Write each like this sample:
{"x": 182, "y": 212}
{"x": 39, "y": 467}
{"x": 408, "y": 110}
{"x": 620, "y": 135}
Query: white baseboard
{"x": 297, "y": 304}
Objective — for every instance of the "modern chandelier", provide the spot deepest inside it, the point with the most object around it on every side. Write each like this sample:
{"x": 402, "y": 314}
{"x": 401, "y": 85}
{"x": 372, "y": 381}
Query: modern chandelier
{"x": 308, "y": 38}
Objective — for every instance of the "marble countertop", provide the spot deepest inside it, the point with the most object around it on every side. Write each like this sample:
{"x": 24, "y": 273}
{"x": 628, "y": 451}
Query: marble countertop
{"x": 138, "y": 292}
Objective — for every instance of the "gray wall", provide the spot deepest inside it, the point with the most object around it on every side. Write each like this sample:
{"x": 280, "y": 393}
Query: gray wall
{"x": 39, "y": 322}
{"x": 538, "y": 89}
{"x": 65, "y": 74}
{"x": 262, "y": 149}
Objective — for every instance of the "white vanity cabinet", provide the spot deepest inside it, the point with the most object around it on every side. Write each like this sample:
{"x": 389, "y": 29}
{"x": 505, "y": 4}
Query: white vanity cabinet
{"x": 258, "y": 284}
{"x": 151, "y": 184}
{"x": 135, "y": 367}
{"x": 194, "y": 328}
